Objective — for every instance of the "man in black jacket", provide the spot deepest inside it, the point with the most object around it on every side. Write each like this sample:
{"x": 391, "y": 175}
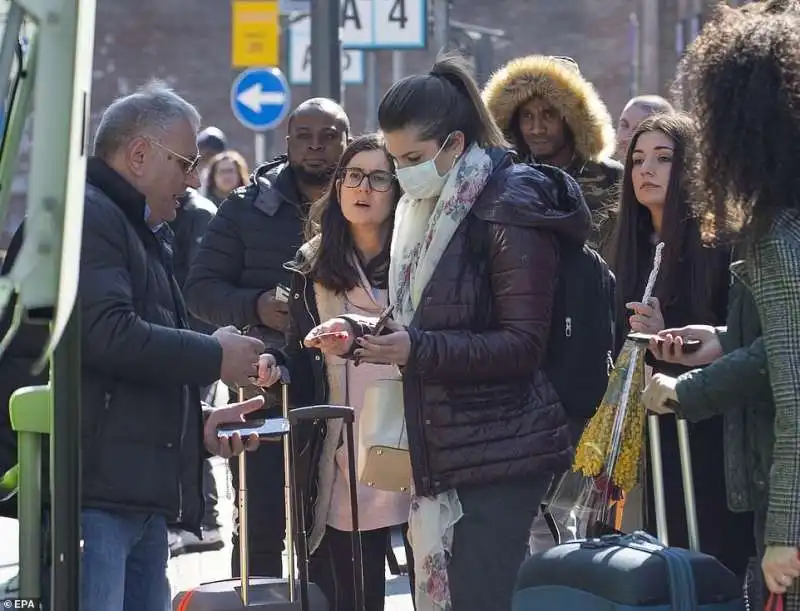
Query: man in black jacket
{"x": 143, "y": 428}
{"x": 233, "y": 279}
{"x": 192, "y": 217}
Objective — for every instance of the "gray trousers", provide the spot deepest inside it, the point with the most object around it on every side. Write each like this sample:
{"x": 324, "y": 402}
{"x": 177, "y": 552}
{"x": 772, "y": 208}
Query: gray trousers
{"x": 215, "y": 395}
{"x": 490, "y": 542}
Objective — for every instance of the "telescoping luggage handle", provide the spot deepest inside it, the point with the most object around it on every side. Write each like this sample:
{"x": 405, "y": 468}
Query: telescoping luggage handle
{"x": 347, "y": 414}
{"x": 285, "y": 433}
{"x": 657, "y": 464}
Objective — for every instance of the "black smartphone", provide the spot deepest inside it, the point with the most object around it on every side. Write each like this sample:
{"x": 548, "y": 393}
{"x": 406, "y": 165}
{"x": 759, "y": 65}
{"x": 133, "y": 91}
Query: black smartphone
{"x": 689, "y": 345}
{"x": 384, "y": 318}
{"x": 264, "y": 428}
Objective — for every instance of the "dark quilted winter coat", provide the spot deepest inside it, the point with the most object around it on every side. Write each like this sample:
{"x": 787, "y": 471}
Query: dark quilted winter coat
{"x": 478, "y": 408}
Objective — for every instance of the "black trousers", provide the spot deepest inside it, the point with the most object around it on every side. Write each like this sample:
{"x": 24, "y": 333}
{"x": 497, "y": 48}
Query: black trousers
{"x": 266, "y": 510}
{"x": 726, "y": 535}
{"x": 331, "y": 568}
{"x": 211, "y": 516}
{"x": 491, "y": 540}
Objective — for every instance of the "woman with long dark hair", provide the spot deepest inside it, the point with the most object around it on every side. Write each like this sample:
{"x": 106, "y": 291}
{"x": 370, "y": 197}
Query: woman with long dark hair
{"x": 472, "y": 277}
{"x": 342, "y": 269}
{"x": 692, "y": 285}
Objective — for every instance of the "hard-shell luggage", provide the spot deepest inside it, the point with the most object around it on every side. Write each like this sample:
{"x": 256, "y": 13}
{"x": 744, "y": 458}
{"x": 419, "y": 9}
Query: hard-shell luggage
{"x": 276, "y": 594}
{"x": 636, "y": 571}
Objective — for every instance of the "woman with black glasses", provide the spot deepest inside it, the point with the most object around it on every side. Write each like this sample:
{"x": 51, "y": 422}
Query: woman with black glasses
{"x": 342, "y": 268}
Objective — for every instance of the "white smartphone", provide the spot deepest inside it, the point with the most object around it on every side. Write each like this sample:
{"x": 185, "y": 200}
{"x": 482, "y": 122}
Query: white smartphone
{"x": 282, "y": 293}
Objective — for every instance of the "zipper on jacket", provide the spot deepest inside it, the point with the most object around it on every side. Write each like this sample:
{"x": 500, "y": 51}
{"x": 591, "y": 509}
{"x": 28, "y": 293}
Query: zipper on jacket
{"x": 184, "y": 418}
{"x": 423, "y": 428}
{"x": 314, "y": 323}
{"x": 568, "y": 326}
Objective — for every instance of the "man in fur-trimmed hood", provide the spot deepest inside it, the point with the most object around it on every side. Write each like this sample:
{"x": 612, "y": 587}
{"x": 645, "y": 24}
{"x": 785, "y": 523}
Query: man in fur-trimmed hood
{"x": 555, "y": 116}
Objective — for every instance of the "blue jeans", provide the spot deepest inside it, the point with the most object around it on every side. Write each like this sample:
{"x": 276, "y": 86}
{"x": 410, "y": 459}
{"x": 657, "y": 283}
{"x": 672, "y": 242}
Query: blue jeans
{"x": 124, "y": 561}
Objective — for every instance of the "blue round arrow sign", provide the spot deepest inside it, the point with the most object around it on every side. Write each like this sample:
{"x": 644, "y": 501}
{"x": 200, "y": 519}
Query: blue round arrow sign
{"x": 260, "y": 98}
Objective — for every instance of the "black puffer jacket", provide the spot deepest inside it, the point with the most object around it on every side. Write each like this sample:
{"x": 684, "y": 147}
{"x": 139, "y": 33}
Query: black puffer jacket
{"x": 142, "y": 367}
{"x": 479, "y": 409}
{"x": 189, "y": 226}
{"x": 255, "y": 231}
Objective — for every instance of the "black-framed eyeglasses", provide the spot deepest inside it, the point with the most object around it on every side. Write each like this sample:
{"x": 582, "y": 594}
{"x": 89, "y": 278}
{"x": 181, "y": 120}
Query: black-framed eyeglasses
{"x": 189, "y": 165}
{"x": 379, "y": 180}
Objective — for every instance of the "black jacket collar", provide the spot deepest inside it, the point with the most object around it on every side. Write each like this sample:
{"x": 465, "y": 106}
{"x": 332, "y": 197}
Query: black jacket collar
{"x": 119, "y": 190}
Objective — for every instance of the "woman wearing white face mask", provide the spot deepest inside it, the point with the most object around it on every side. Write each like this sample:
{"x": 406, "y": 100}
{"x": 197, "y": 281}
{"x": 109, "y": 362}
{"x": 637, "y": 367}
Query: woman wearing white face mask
{"x": 473, "y": 270}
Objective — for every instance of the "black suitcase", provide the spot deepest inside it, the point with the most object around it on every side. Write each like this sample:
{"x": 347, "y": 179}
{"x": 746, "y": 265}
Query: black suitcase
{"x": 268, "y": 593}
{"x": 628, "y": 572}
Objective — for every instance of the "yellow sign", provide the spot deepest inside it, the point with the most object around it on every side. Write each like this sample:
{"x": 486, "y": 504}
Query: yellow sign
{"x": 255, "y": 35}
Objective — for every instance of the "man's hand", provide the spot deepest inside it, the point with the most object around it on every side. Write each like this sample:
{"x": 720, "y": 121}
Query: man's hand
{"x": 239, "y": 356}
{"x": 272, "y": 312}
{"x": 669, "y": 348}
{"x": 230, "y": 414}
{"x": 659, "y": 391}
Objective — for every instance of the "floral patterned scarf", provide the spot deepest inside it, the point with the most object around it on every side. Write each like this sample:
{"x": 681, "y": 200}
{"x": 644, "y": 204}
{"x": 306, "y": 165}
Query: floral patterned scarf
{"x": 423, "y": 229}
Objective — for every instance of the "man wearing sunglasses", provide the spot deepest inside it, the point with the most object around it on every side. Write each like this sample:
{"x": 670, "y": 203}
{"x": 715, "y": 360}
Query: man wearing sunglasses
{"x": 233, "y": 281}
{"x": 144, "y": 433}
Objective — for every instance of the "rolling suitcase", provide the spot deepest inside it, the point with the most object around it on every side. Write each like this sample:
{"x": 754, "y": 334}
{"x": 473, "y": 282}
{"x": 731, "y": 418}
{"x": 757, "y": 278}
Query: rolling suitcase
{"x": 636, "y": 571}
{"x": 269, "y": 593}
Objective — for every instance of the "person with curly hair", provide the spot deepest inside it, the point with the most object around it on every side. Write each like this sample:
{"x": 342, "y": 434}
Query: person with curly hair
{"x": 749, "y": 189}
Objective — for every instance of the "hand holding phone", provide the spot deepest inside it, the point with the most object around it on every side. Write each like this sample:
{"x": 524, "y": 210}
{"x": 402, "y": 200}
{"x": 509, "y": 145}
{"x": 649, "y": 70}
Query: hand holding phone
{"x": 331, "y": 337}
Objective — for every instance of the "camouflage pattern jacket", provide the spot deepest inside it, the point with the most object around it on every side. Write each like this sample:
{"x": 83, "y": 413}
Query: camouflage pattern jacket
{"x": 600, "y": 183}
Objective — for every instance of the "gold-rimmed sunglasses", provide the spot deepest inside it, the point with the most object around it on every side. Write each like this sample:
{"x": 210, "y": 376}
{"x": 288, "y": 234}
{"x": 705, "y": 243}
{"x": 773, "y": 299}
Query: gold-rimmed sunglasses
{"x": 189, "y": 165}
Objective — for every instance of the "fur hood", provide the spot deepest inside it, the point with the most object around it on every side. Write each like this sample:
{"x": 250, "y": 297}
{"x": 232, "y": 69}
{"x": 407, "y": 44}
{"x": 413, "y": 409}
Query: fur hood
{"x": 560, "y": 82}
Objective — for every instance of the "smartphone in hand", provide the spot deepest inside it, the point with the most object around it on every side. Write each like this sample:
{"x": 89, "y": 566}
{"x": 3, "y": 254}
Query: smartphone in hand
{"x": 689, "y": 345}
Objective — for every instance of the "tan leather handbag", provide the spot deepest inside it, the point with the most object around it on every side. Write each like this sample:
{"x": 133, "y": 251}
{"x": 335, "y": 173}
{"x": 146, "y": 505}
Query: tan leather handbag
{"x": 383, "y": 459}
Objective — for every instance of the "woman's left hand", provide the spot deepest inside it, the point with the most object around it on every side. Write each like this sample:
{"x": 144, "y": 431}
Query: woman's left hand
{"x": 392, "y": 349}
{"x": 781, "y": 567}
{"x": 647, "y": 318}
{"x": 659, "y": 392}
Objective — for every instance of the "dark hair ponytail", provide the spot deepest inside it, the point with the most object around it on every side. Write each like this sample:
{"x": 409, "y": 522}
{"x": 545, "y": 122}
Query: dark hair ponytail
{"x": 438, "y": 103}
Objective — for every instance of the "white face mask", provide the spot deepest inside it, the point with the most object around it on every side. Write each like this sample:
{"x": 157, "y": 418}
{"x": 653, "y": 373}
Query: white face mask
{"x": 422, "y": 181}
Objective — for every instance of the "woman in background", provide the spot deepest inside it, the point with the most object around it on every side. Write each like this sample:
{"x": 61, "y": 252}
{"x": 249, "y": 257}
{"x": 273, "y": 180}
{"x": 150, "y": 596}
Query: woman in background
{"x": 692, "y": 286}
{"x": 226, "y": 171}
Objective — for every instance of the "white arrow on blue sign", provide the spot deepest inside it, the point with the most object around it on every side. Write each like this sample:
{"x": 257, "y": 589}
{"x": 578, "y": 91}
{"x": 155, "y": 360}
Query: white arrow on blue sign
{"x": 260, "y": 98}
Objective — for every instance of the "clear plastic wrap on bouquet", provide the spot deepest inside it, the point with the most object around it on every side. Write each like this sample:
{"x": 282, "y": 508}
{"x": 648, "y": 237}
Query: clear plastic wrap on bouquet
{"x": 586, "y": 500}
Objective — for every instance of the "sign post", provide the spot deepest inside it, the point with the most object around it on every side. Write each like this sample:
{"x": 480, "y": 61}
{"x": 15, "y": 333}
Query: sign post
{"x": 260, "y": 100}
{"x": 300, "y": 52}
{"x": 255, "y": 35}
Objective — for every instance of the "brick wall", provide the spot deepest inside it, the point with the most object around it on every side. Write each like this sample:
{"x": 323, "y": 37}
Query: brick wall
{"x": 192, "y": 52}
{"x": 187, "y": 43}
